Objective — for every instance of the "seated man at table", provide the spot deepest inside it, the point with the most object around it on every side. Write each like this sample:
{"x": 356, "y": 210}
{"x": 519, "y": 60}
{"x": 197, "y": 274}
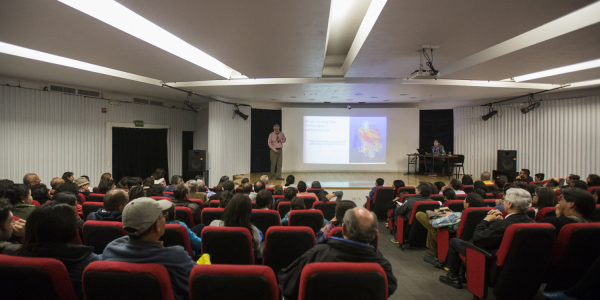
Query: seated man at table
{"x": 488, "y": 234}
{"x": 437, "y": 149}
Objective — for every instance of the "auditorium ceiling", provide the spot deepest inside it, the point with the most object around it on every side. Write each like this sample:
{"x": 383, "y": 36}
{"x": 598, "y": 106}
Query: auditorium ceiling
{"x": 309, "y": 51}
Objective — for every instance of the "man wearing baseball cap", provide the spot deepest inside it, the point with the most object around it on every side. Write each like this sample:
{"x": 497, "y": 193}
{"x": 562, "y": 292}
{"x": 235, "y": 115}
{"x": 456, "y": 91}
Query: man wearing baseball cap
{"x": 144, "y": 222}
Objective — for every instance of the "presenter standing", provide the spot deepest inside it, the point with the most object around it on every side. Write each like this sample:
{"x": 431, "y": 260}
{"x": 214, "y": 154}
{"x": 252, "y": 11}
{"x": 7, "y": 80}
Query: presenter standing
{"x": 276, "y": 140}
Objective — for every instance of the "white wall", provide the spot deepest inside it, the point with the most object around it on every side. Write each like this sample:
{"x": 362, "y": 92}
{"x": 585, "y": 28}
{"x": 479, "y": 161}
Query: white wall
{"x": 228, "y": 142}
{"x": 558, "y": 138}
{"x": 402, "y": 138}
{"x": 49, "y": 133}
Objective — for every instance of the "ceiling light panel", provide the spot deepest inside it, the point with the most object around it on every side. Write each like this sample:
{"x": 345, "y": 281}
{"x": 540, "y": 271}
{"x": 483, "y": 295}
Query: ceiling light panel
{"x": 560, "y": 70}
{"x": 122, "y": 18}
{"x": 67, "y": 62}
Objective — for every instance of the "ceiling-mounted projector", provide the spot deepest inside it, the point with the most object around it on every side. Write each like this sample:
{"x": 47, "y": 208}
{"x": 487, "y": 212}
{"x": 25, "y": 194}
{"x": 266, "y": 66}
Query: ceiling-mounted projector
{"x": 432, "y": 73}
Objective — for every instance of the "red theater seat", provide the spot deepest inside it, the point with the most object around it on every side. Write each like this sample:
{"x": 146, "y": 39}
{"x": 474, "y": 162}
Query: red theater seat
{"x": 327, "y": 208}
{"x": 310, "y": 218}
{"x": 216, "y": 282}
{"x": 263, "y": 219}
{"x": 177, "y": 235}
{"x": 517, "y": 270}
{"x": 90, "y": 207}
{"x": 409, "y": 189}
{"x": 382, "y": 195}
{"x": 470, "y": 218}
{"x": 184, "y": 214}
{"x": 35, "y": 203}
{"x": 210, "y": 214}
{"x": 121, "y": 280}
{"x": 359, "y": 281}
{"x": 284, "y": 244}
{"x": 283, "y": 208}
{"x": 575, "y": 250}
{"x": 197, "y": 201}
{"x": 93, "y": 197}
{"x": 455, "y": 205}
{"x": 213, "y": 203}
{"x": 34, "y": 278}
{"x": 467, "y": 188}
{"x": 545, "y": 212}
{"x": 228, "y": 245}
{"x": 411, "y": 231}
{"x": 100, "y": 233}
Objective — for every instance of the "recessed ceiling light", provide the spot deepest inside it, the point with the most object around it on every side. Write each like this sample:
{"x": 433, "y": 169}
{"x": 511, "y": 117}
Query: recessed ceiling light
{"x": 560, "y": 70}
{"x": 403, "y": 94}
{"x": 293, "y": 96}
{"x": 359, "y": 94}
{"x": 313, "y": 93}
{"x": 413, "y": 97}
{"x": 124, "y": 19}
{"x": 67, "y": 62}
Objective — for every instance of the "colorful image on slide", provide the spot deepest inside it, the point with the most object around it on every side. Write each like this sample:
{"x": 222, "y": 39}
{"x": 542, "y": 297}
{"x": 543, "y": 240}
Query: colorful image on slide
{"x": 368, "y": 139}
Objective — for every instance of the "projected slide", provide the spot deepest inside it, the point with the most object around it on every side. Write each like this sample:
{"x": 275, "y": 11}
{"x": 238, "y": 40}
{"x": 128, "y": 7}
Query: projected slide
{"x": 345, "y": 140}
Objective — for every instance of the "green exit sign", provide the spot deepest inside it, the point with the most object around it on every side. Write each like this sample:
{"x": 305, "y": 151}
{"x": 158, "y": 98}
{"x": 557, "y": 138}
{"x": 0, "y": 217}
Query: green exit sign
{"x": 138, "y": 123}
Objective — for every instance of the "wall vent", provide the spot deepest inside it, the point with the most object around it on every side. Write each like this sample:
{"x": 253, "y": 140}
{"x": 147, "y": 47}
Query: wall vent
{"x": 88, "y": 93}
{"x": 64, "y": 89}
{"x": 140, "y": 101}
{"x": 158, "y": 103}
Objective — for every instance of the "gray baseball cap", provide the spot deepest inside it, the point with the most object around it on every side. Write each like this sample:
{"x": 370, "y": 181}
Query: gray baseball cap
{"x": 141, "y": 213}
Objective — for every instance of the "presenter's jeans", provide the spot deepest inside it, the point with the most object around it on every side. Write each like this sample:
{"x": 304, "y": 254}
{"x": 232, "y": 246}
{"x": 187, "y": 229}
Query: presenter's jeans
{"x": 276, "y": 159}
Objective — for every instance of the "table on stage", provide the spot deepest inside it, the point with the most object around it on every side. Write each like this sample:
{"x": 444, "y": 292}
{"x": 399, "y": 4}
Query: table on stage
{"x": 416, "y": 162}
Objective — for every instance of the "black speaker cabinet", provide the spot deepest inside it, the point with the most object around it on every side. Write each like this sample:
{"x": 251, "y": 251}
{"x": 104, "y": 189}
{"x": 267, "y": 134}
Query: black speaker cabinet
{"x": 196, "y": 160}
{"x": 507, "y": 161}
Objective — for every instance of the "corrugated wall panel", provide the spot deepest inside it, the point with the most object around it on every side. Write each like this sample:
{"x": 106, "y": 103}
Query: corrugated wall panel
{"x": 49, "y": 133}
{"x": 201, "y": 134}
{"x": 558, "y": 138}
{"x": 228, "y": 141}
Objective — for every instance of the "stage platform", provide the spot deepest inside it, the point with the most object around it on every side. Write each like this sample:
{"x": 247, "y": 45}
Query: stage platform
{"x": 346, "y": 180}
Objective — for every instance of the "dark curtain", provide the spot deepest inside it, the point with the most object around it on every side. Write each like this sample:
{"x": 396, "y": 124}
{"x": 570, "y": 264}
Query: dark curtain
{"x": 261, "y": 126}
{"x": 139, "y": 152}
{"x": 187, "y": 143}
{"x": 436, "y": 125}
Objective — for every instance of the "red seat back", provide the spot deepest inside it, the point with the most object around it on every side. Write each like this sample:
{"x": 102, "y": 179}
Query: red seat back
{"x": 228, "y": 245}
{"x": 470, "y": 218}
{"x": 284, "y": 244}
{"x": 422, "y": 206}
{"x": 177, "y": 235}
{"x": 382, "y": 195}
{"x": 360, "y": 281}
{"x": 215, "y": 282}
{"x": 468, "y": 188}
{"x": 90, "y": 207}
{"x": 184, "y": 214}
{"x": 409, "y": 189}
{"x": 127, "y": 280}
{"x": 310, "y": 218}
{"x": 213, "y": 203}
{"x": 406, "y": 196}
{"x": 34, "y": 278}
{"x": 93, "y": 197}
{"x": 327, "y": 208}
{"x": 36, "y": 203}
{"x": 197, "y": 201}
{"x": 210, "y": 214}
{"x": 455, "y": 205}
{"x": 283, "y": 207}
{"x": 542, "y": 213}
{"x": 592, "y": 189}
{"x": 263, "y": 219}
{"x": 100, "y": 233}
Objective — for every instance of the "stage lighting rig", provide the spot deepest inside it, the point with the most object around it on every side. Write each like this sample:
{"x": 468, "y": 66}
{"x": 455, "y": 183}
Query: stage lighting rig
{"x": 239, "y": 113}
{"x": 191, "y": 106}
{"x": 490, "y": 114}
{"x": 531, "y": 105}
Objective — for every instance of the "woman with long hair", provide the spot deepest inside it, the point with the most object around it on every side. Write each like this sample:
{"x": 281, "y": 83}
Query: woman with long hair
{"x": 50, "y": 232}
{"x": 544, "y": 197}
{"x": 105, "y": 176}
{"x": 106, "y": 186}
{"x": 289, "y": 181}
{"x": 123, "y": 183}
{"x": 237, "y": 214}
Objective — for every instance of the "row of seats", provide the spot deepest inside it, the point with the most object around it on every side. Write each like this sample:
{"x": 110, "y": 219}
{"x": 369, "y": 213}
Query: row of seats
{"x": 207, "y": 282}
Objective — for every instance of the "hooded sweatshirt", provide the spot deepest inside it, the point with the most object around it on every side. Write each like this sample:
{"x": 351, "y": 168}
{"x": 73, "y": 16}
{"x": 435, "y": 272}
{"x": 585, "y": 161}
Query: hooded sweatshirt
{"x": 102, "y": 215}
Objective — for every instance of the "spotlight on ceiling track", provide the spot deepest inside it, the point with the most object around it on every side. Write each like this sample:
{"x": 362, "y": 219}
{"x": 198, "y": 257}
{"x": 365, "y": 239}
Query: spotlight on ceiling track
{"x": 239, "y": 113}
{"x": 530, "y": 107}
{"x": 490, "y": 114}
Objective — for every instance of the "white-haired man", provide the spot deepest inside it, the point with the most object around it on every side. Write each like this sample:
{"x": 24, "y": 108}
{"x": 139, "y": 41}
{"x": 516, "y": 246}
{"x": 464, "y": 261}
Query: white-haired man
{"x": 265, "y": 180}
{"x": 489, "y": 233}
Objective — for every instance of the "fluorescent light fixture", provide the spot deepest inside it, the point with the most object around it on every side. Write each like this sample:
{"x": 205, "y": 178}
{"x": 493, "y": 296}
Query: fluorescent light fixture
{"x": 363, "y": 32}
{"x": 584, "y": 83}
{"x": 67, "y": 62}
{"x": 122, "y": 18}
{"x": 340, "y": 9}
{"x": 560, "y": 70}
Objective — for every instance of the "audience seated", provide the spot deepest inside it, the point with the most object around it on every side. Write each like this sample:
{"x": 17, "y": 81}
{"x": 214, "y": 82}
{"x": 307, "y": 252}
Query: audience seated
{"x": 456, "y": 186}
{"x": 398, "y": 184}
{"x": 264, "y": 200}
{"x": 71, "y": 200}
{"x": 56, "y": 182}
{"x": 156, "y": 190}
{"x": 489, "y": 233}
{"x": 450, "y": 220}
{"x": 180, "y": 195}
{"x": 553, "y": 184}
{"x": 378, "y": 182}
{"x": 258, "y": 186}
{"x": 50, "y": 232}
{"x": 106, "y": 186}
{"x": 498, "y": 186}
{"x": 439, "y": 185}
{"x": 466, "y": 180}
{"x": 340, "y": 209}
{"x": 480, "y": 192}
{"x": 144, "y": 222}
{"x": 289, "y": 194}
{"x": 104, "y": 176}
{"x": 114, "y": 204}
{"x": 585, "y": 288}
{"x": 265, "y": 180}
{"x": 224, "y": 186}
{"x": 289, "y": 181}
{"x": 575, "y": 206}
{"x": 544, "y": 197}
{"x": 136, "y": 191}
{"x": 175, "y": 180}
{"x": 20, "y": 198}
{"x": 579, "y": 184}
{"x": 247, "y": 188}
{"x": 539, "y": 177}
{"x": 485, "y": 177}
{"x": 359, "y": 229}
{"x": 302, "y": 190}
{"x": 596, "y": 195}
{"x": 9, "y": 229}
{"x": 237, "y": 214}
{"x": 40, "y": 193}
{"x": 278, "y": 190}
{"x": 31, "y": 179}
{"x": 224, "y": 198}
{"x": 195, "y": 241}
{"x": 82, "y": 184}
{"x": 133, "y": 181}
{"x": 480, "y": 185}
{"x": 68, "y": 176}
{"x": 423, "y": 191}
{"x": 159, "y": 177}
{"x": 449, "y": 194}
{"x": 593, "y": 180}
{"x": 568, "y": 180}
{"x": 123, "y": 183}
{"x": 318, "y": 189}
{"x": 297, "y": 203}
{"x": 524, "y": 176}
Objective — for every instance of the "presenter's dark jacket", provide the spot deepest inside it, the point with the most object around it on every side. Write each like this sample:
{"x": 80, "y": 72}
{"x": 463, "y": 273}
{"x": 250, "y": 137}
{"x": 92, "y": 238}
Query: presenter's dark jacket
{"x": 440, "y": 150}
{"x": 489, "y": 234}
{"x": 333, "y": 250}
